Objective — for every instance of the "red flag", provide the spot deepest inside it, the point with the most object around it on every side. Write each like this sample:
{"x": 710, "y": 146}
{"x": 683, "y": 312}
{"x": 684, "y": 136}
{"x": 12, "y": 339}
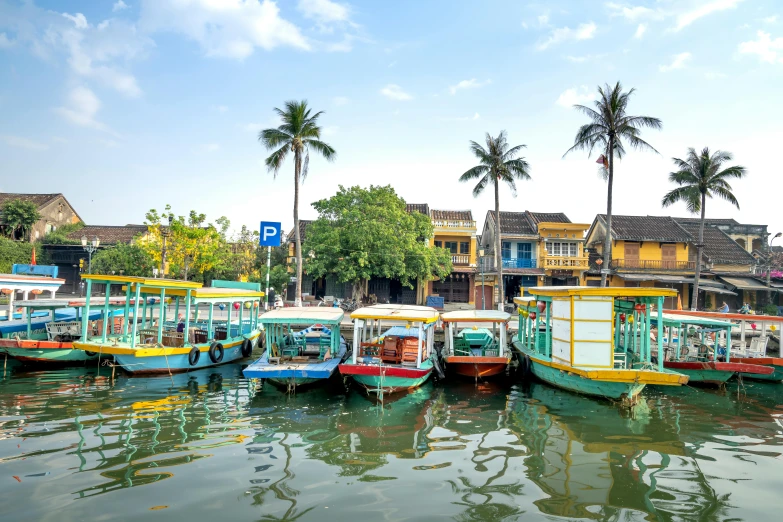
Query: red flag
{"x": 603, "y": 161}
{"x": 32, "y": 261}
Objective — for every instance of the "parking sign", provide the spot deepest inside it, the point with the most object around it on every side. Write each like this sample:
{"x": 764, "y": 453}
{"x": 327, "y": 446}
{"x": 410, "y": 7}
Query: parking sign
{"x": 270, "y": 234}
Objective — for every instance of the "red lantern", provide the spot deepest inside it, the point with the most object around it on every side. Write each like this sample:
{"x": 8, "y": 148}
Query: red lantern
{"x": 541, "y": 306}
{"x": 639, "y": 307}
{"x": 753, "y": 325}
{"x": 7, "y": 291}
{"x": 36, "y": 292}
{"x": 622, "y": 318}
{"x": 236, "y": 306}
{"x": 532, "y": 316}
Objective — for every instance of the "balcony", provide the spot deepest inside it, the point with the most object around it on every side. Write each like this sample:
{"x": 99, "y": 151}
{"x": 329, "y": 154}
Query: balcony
{"x": 454, "y": 224}
{"x": 460, "y": 259}
{"x": 518, "y": 262}
{"x": 652, "y": 264}
{"x": 564, "y": 263}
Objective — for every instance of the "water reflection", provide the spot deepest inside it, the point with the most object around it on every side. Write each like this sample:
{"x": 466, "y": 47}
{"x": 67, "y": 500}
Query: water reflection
{"x": 208, "y": 442}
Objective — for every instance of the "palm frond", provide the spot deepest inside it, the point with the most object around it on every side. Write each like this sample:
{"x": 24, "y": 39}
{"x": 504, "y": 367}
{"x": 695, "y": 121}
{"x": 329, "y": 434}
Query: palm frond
{"x": 726, "y": 195}
{"x": 474, "y": 173}
{"x": 276, "y": 159}
{"x": 322, "y": 148}
{"x": 481, "y": 185}
{"x": 273, "y": 138}
{"x": 688, "y": 195}
{"x": 518, "y": 168}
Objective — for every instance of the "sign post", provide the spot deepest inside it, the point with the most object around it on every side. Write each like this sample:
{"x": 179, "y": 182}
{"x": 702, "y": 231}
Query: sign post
{"x": 269, "y": 237}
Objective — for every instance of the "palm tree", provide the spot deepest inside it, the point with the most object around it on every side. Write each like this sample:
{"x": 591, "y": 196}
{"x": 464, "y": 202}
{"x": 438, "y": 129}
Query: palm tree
{"x": 609, "y": 127}
{"x": 498, "y": 163}
{"x": 699, "y": 177}
{"x": 298, "y": 133}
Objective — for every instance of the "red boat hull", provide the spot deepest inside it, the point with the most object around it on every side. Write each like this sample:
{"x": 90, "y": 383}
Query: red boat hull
{"x": 473, "y": 367}
{"x": 738, "y": 367}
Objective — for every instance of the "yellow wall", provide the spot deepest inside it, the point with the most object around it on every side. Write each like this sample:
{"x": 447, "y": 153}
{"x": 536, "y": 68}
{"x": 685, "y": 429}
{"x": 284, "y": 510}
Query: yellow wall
{"x": 649, "y": 251}
{"x": 458, "y": 238}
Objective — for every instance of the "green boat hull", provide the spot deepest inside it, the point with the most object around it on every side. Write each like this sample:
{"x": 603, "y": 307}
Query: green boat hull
{"x": 575, "y": 383}
{"x": 296, "y": 381}
{"x": 776, "y": 376}
{"x": 711, "y": 377}
{"x": 64, "y": 356}
{"x": 388, "y": 384}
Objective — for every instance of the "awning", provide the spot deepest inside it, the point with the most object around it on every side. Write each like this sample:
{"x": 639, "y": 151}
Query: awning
{"x": 743, "y": 283}
{"x": 660, "y": 278}
{"x": 716, "y": 290}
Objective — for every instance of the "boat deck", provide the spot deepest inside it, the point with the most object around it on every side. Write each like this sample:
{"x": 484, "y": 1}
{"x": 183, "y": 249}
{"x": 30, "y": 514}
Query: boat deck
{"x": 313, "y": 369}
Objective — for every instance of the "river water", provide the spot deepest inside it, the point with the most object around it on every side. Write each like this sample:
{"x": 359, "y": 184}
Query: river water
{"x": 208, "y": 446}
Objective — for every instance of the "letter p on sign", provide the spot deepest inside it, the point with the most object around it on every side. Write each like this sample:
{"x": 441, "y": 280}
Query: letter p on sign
{"x": 270, "y": 234}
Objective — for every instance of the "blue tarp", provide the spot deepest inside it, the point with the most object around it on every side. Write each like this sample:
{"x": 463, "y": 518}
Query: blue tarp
{"x": 435, "y": 302}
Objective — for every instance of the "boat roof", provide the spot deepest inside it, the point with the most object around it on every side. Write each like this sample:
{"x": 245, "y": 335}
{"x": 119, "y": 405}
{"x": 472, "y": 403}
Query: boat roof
{"x": 303, "y": 315}
{"x": 396, "y": 312}
{"x": 476, "y": 316}
{"x": 611, "y": 291}
{"x": 22, "y": 282}
{"x": 729, "y": 316}
{"x": 144, "y": 281}
{"x": 201, "y": 292}
{"x": 78, "y": 302}
{"x": 677, "y": 319}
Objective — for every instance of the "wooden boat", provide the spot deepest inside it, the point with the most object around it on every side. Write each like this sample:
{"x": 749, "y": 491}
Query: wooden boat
{"x": 756, "y": 353}
{"x": 296, "y": 358}
{"x": 399, "y": 358}
{"x": 156, "y": 345}
{"x": 571, "y": 337}
{"x": 49, "y": 338}
{"x": 476, "y": 351}
{"x": 693, "y": 347}
{"x": 27, "y": 285}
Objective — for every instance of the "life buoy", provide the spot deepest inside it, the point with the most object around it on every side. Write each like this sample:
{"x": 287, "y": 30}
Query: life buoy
{"x": 247, "y": 348}
{"x": 216, "y": 352}
{"x": 194, "y": 356}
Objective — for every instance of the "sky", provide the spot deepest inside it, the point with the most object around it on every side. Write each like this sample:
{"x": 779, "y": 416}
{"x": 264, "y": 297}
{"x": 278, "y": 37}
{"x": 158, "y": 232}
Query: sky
{"x": 127, "y": 105}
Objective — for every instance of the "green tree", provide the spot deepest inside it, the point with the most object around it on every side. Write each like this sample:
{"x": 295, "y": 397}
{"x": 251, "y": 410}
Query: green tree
{"x": 298, "y": 133}
{"x": 20, "y": 253}
{"x": 497, "y": 163}
{"x": 362, "y": 233}
{"x": 60, "y": 236}
{"x": 610, "y": 127}
{"x": 130, "y": 259}
{"x": 699, "y": 177}
{"x": 18, "y": 217}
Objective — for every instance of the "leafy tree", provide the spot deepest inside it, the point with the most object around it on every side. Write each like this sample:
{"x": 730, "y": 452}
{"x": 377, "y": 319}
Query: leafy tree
{"x": 60, "y": 236}
{"x": 610, "y": 126}
{"x": 18, "y": 217}
{"x": 193, "y": 247}
{"x": 497, "y": 163}
{"x": 131, "y": 260}
{"x": 298, "y": 133}
{"x": 363, "y": 233}
{"x": 699, "y": 177}
{"x": 18, "y": 252}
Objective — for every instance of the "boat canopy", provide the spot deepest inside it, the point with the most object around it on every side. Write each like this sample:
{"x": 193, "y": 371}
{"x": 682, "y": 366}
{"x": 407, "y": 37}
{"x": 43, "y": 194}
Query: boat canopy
{"x": 52, "y": 304}
{"x": 394, "y": 312}
{"x": 677, "y": 320}
{"x": 475, "y": 316}
{"x": 205, "y": 295}
{"x": 563, "y": 291}
{"x": 144, "y": 281}
{"x": 303, "y": 315}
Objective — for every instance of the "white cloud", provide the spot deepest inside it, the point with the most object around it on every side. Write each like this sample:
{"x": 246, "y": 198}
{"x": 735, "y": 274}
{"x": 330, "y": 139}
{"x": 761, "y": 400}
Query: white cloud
{"x": 340, "y": 100}
{"x": 5, "y": 42}
{"x": 678, "y": 62}
{"x": 583, "y": 32}
{"x": 226, "y": 28}
{"x": 543, "y": 20}
{"x": 632, "y": 13}
{"x": 770, "y": 19}
{"x": 119, "y": 6}
{"x": 210, "y": 147}
{"x": 688, "y": 17}
{"x": 767, "y": 49}
{"x": 22, "y": 143}
{"x": 468, "y": 84}
{"x": 79, "y": 20}
{"x": 575, "y": 96}
{"x": 395, "y": 92}
{"x": 82, "y": 108}
{"x": 324, "y": 11}
{"x": 640, "y": 30}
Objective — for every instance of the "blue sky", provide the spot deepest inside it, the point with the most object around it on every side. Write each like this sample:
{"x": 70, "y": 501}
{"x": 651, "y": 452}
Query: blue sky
{"x": 129, "y": 105}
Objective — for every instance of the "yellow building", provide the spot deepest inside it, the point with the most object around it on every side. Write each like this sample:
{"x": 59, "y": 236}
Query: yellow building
{"x": 537, "y": 249}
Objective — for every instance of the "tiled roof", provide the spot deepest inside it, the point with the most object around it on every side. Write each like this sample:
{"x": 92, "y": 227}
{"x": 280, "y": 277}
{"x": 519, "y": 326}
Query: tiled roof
{"x": 713, "y": 221}
{"x": 647, "y": 228}
{"x": 451, "y": 215}
{"x": 303, "y": 223}
{"x": 718, "y": 246}
{"x": 38, "y": 200}
{"x": 777, "y": 248}
{"x": 109, "y": 235}
{"x": 513, "y": 223}
{"x": 418, "y": 207}
{"x": 548, "y": 217}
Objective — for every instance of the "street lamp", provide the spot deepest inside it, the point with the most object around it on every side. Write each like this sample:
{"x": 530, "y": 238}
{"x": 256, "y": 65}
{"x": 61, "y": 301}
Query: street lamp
{"x": 165, "y": 233}
{"x": 90, "y": 247}
{"x": 769, "y": 266}
{"x": 481, "y": 269}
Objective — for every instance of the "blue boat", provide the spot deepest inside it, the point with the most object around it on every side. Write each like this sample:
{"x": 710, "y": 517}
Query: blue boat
{"x": 297, "y": 358}
{"x": 149, "y": 344}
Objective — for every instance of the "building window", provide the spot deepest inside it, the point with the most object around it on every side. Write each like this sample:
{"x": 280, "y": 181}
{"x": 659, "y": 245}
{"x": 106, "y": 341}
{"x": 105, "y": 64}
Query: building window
{"x": 439, "y": 244}
{"x": 464, "y": 247}
{"x": 563, "y": 249}
{"x": 524, "y": 251}
{"x": 451, "y": 246}
{"x": 505, "y": 250}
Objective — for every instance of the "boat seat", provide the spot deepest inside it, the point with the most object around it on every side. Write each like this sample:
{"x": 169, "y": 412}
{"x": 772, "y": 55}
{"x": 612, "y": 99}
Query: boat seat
{"x": 324, "y": 345}
{"x": 410, "y": 350}
{"x": 390, "y": 350}
{"x": 370, "y": 349}
{"x": 620, "y": 360}
{"x": 60, "y": 331}
{"x": 758, "y": 346}
{"x": 461, "y": 347}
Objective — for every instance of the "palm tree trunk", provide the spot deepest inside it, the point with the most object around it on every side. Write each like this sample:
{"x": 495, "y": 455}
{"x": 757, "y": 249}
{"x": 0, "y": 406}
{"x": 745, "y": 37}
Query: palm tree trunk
{"x": 699, "y": 246}
{"x": 608, "y": 237}
{"x": 297, "y": 238}
{"x": 498, "y": 257}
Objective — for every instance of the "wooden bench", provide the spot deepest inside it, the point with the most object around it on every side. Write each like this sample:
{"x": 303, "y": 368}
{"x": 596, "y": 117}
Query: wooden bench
{"x": 390, "y": 352}
{"x": 410, "y": 351}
